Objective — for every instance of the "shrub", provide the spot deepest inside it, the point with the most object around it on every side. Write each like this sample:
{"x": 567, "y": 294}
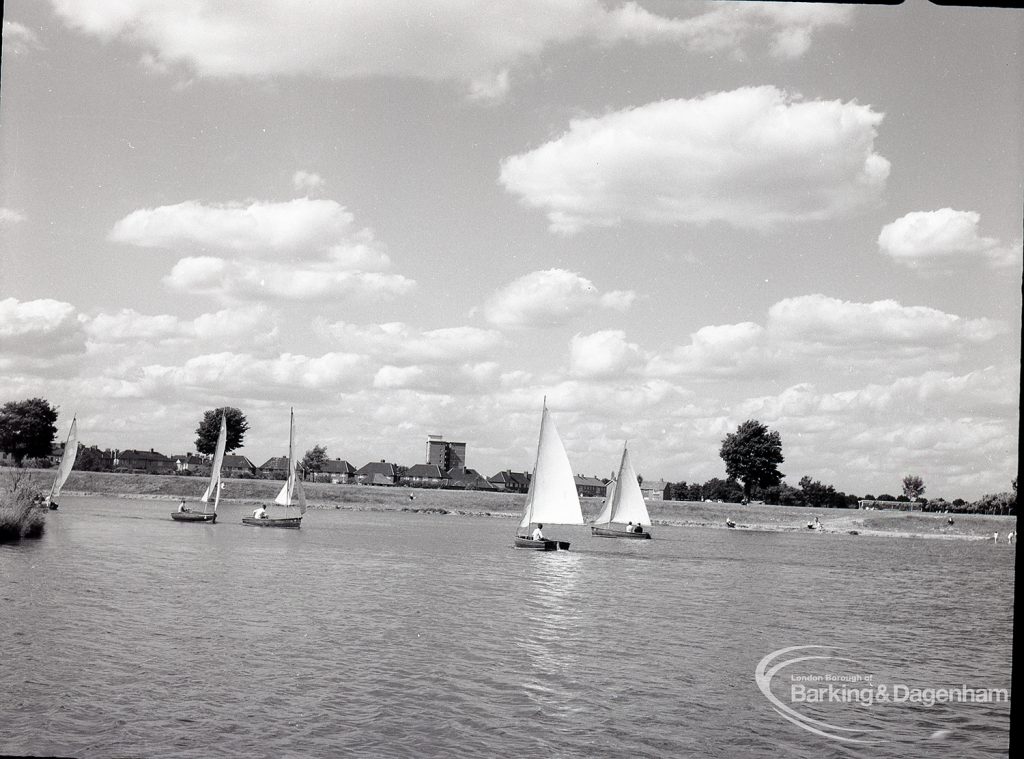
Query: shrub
{"x": 20, "y": 517}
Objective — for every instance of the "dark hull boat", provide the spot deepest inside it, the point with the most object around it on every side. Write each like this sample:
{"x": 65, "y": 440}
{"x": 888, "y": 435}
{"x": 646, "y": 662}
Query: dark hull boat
{"x": 541, "y": 545}
{"x": 608, "y": 532}
{"x": 193, "y": 516}
{"x": 290, "y": 523}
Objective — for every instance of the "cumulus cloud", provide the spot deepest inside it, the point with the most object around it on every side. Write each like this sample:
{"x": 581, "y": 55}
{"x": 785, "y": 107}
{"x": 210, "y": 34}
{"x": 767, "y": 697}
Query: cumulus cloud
{"x": 403, "y": 344}
{"x": 44, "y": 328}
{"x": 9, "y": 215}
{"x": 18, "y": 39}
{"x": 129, "y": 326}
{"x": 603, "y": 354}
{"x": 327, "y": 255}
{"x": 930, "y": 238}
{"x": 473, "y": 42}
{"x": 716, "y": 350}
{"x": 307, "y": 181}
{"x": 754, "y": 157}
{"x": 549, "y": 298}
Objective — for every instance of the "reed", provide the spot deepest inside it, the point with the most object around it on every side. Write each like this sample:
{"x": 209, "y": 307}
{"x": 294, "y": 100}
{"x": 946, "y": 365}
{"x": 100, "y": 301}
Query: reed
{"x": 20, "y": 516}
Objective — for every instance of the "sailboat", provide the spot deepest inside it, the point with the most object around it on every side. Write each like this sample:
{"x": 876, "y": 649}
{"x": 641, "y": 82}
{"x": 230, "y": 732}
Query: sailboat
{"x": 67, "y": 463}
{"x": 624, "y": 509}
{"x": 552, "y": 496}
{"x": 290, "y": 495}
{"x": 213, "y": 489}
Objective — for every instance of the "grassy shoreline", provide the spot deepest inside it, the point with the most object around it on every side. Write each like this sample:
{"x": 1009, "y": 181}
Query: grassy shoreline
{"x": 510, "y": 505}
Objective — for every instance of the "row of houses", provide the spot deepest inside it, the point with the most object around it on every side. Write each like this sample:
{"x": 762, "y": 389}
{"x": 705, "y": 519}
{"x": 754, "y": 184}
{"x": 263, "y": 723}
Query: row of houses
{"x": 380, "y": 473}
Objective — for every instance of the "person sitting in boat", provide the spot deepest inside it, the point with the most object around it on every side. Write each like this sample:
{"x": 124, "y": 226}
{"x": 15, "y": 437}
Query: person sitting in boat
{"x": 537, "y": 534}
{"x": 182, "y": 509}
{"x": 629, "y": 527}
{"x": 638, "y": 529}
{"x": 260, "y": 513}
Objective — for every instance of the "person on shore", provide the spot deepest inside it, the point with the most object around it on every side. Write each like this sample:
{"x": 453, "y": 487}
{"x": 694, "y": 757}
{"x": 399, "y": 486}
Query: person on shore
{"x": 537, "y": 534}
{"x": 182, "y": 509}
{"x": 949, "y": 521}
{"x": 729, "y": 522}
{"x": 260, "y": 513}
{"x": 995, "y": 537}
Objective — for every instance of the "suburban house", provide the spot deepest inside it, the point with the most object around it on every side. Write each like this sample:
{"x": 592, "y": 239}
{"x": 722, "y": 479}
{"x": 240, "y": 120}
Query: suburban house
{"x": 335, "y": 471}
{"x": 654, "y": 490}
{"x": 377, "y": 473}
{"x": 190, "y": 462}
{"x": 422, "y": 476}
{"x": 511, "y": 482}
{"x": 237, "y": 466}
{"x": 148, "y": 462}
{"x": 590, "y": 486}
{"x": 274, "y": 468}
{"x": 461, "y": 478}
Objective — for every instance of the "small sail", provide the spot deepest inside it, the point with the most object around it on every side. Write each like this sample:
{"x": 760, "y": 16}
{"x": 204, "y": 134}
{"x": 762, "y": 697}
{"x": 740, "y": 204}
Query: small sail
{"x": 606, "y": 513}
{"x": 67, "y": 460}
{"x": 284, "y": 498}
{"x": 627, "y": 502}
{"x": 213, "y": 489}
{"x": 552, "y": 497}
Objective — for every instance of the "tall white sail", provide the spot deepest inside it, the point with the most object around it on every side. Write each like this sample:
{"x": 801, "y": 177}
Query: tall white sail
{"x": 213, "y": 489}
{"x": 627, "y": 502}
{"x": 552, "y": 497}
{"x": 67, "y": 460}
{"x": 606, "y": 513}
{"x": 284, "y": 498}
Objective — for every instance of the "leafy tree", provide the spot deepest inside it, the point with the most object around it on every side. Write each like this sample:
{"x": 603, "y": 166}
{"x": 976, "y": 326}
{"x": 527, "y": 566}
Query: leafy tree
{"x": 209, "y": 429}
{"x": 913, "y": 486}
{"x": 314, "y": 459}
{"x": 752, "y": 455}
{"x": 27, "y": 428}
{"x": 816, "y": 493}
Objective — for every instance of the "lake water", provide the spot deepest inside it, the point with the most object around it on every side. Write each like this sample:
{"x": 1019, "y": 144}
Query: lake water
{"x": 123, "y": 633}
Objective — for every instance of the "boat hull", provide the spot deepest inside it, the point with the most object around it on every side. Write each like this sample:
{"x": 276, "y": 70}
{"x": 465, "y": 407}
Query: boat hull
{"x": 289, "y": 523}
{"x": 542, "y": 545}
{"x": 609, "y": 532}
{"x": 193, "y": 516}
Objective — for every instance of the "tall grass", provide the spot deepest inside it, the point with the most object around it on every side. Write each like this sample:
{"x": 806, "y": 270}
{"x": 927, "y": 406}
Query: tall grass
{"x": 20, "y": 517}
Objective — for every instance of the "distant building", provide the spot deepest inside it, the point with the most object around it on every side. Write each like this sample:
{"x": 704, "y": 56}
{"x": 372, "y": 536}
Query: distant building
{"x": 422, "y": 476}
{"x": 445, "y": 455}
{"x": 893, "y": 505}
{"x": 654, "y": 490}
{"x": 235, "y": 465}
{"x": 275, "y": 468}
{"x": 377, "y": 473}
{"x": 147, "y": 462}
{"x": 590, "y": 486}
{"x": 189, "y": 462}
{"x": 511, "y": 482}
{"x": 336, "y": 471}
{"x": 461, "y": 478}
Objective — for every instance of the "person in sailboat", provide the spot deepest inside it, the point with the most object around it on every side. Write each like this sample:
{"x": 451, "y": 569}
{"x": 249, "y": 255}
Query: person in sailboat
{"x": 537, "y": 534}
{"x": 182, "y": 509}
{"x": 638, "y": 529}
{"x": 260, "y": 513}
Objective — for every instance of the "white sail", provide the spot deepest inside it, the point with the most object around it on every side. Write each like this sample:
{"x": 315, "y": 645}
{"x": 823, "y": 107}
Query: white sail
{"x": 67, "y": 461}
{"x": 606, "y": 513}
{"x": 627, "y": 502}
{"x": 213, "y": 489}
{"x": 552, "y": 497}
{"x": 284, "y": 498}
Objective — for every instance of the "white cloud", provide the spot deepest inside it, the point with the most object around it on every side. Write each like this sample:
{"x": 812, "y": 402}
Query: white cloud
{"x": 130, "y": 326}
{"x": 9, "y": 215}
{"x": 307, "y": 181}
{"x": 43, "y": 328}
{"x": 18, "y": 39}
{"x": 717, "y": 350}
{"x": 327, "y": 255}
{"x": 754, "y": 157}
{"x": 401, "y": 343}
{"x": 474, "y": 42}
{"x": 603, "y": 354}
{"x": 549, "y": 298}
{"x": 929, "y": 238}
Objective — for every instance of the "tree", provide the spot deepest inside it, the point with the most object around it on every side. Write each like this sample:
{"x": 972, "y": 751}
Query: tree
{"x": 752, "y": 454}
{"x": 913, "y": 487}
{"x": 27, "y": 428}
{"x": 91, "y": 459}
{"x": 209, "y": 429}
{"x": 816, "y": 493}
{"x": 314, "y": 459}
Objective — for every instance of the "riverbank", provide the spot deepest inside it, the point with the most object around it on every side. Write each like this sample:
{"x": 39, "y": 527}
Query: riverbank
{"x": 749, "y": 517}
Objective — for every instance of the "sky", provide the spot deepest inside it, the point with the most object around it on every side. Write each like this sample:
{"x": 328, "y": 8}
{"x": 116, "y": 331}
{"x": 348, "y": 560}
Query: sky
{"x": 406, "y": 219}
